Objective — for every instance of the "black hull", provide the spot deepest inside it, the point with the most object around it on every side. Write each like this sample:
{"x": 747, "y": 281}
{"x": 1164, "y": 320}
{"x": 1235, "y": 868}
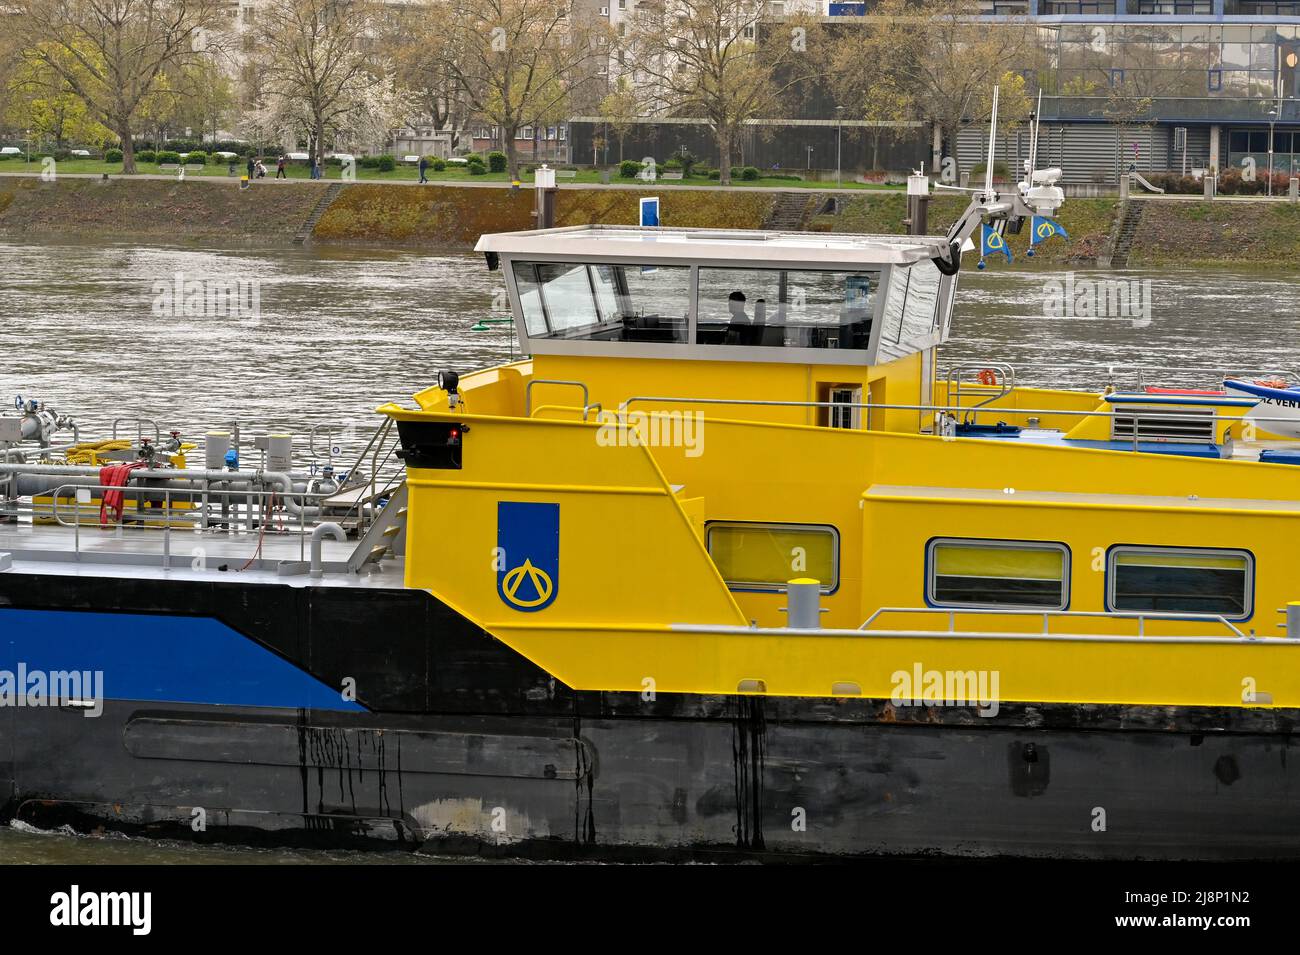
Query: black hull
{"x": 467, "y": 747}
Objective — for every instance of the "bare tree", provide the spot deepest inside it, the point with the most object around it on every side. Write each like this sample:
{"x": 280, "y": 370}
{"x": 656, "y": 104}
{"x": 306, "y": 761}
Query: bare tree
{"x": 317, "y": 62}
{"x": 113, "y": 54}
{"x": 940, "y": 64}
{"x": 516, "y": 63}
{"x": 434, "y": 93}
{"x": 719, "y": 60}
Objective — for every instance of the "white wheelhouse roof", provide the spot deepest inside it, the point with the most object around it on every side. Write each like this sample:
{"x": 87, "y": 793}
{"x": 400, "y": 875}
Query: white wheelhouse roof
{"x": 743, "y": 248}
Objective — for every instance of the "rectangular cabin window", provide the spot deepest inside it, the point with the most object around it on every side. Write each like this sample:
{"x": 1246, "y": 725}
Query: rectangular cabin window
{"x": 994, "y": 573}
{"x": 1180, "y": 580}
{"x": 642, "y": 303}
{"x": 765, "y": 557}
{"x": 530, "y": 299}
{"x": 922, "y": 303}
{"x": 786, "y": 307}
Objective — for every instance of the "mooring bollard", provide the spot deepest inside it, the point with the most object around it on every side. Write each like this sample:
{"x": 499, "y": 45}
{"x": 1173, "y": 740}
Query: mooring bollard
{"x": 1207, "y": 185}
{"x": 804, "y": 596}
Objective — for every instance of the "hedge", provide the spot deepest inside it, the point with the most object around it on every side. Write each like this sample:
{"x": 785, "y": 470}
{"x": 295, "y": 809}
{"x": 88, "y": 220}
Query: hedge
{"x": 497, "y": 161}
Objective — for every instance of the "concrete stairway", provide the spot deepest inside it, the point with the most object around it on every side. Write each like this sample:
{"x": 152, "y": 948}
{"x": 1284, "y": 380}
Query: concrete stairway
{"x": 309, "y": 224}
{"x": 1128, "y": 224}
{"x": 789, "y": 213}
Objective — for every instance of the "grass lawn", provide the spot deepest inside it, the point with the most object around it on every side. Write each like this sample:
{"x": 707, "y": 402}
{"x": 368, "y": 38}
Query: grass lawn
{"x": 409, "y": 174}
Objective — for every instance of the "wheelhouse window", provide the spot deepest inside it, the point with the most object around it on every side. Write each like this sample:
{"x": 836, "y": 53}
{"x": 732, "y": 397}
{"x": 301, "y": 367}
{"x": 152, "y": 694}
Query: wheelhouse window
{"x": 634, "y": 303}
{"x": 1180, "y": 580}
{"x": 786, "y": 308}
{"x": 995, "y": 573}
{"x": 765, "y": 557}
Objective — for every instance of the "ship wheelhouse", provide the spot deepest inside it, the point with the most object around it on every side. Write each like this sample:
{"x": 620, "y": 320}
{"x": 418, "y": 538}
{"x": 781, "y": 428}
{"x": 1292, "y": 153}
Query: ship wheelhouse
{"x": 735, "y": 296}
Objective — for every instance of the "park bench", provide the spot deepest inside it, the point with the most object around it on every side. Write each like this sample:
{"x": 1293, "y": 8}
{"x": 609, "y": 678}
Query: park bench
{"x": 566, "y": 174}
{"x": 194, "y": 167}
{"x": 671, "y": 175}
{"x": 168, "y": 166}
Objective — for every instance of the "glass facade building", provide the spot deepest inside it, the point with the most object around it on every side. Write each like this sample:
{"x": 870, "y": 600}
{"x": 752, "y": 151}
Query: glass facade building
{"x": 1209, "y": 82}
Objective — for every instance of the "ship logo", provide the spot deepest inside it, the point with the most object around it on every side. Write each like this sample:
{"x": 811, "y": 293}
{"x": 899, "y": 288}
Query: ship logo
{"x": 528, "y": 542}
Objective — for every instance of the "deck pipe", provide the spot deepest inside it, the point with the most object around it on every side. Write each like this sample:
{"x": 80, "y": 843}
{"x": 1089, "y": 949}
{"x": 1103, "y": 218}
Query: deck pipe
{"x": 318, "y": 533}
{"x": 171, "y": 478}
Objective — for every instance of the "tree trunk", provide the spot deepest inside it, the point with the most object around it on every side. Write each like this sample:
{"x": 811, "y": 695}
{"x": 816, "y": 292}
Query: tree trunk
{"x": 123, "y": 130}
{"x": 875, "y": 150}
{"x": 318, "y": 153}
{"x": 512, "y": 158}
{"x": 724, "y": 155}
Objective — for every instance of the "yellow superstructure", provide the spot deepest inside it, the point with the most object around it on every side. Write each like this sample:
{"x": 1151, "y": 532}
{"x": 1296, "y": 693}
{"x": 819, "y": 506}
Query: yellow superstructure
{"x": 674, "y": 495}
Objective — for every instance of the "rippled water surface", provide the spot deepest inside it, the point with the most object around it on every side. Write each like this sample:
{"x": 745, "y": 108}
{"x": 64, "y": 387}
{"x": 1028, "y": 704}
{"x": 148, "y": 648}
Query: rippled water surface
{"x": 341, "y": 331}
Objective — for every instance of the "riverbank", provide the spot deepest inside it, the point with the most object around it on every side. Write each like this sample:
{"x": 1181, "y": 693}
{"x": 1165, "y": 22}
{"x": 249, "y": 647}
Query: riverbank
{"x": 1171, "y": 232}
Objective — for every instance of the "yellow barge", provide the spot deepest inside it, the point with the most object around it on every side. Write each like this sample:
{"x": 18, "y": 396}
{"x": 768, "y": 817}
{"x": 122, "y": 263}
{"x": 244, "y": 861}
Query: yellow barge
{"x": 726, "y": 564}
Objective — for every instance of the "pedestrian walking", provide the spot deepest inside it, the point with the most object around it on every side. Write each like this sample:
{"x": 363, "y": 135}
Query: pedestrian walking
{"x": 424, "y": 164}
{"x": 252, "y": 167}
{"x": 279, "y": 169}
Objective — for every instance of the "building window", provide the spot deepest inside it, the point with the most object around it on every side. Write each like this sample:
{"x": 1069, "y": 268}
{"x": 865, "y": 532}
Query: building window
{"x": 1116, "y": 78}
{"x": 1214, "y": 80}
{"x": 1180, "y": 580}
{"x": 1075, "y": 8}
{"x": 995, "y": 573}
{"x": 765, "y": 557}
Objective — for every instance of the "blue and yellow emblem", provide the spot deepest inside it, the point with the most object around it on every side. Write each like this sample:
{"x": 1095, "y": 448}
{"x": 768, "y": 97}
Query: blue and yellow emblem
{"x": 528, "y": 549}
{"x": 992, "y": 241}
{"x": 1041, "y": 229}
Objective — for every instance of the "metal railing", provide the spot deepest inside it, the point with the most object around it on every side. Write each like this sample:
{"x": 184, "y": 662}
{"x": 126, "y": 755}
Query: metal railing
{"x": 196, "y": 519}
{"x": 1199, "y": 418}
{"x": 586, "y": 395}
{"x": 1005, "y": 383}
{"x": 1048, "y": 615}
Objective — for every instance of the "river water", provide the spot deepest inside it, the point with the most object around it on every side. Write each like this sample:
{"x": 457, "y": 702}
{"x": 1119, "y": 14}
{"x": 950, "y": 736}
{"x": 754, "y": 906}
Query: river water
{"x": 321, "y": 337}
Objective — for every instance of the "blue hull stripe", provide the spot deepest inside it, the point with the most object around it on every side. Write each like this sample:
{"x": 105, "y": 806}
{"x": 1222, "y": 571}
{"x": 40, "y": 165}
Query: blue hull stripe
{"x": 161, "y": 658}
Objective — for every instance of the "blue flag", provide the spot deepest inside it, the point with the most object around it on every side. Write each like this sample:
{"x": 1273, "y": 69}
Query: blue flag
{"x": 1042, "y": 228}
{"x": 991, "y": 243}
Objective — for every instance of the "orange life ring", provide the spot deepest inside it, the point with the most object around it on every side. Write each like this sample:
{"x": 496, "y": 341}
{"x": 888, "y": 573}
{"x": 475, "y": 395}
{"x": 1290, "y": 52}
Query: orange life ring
{"x": 988, "y": 377}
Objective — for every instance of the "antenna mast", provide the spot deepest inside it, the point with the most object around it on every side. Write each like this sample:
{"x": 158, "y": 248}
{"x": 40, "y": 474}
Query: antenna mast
{"x": 993, "y": 132}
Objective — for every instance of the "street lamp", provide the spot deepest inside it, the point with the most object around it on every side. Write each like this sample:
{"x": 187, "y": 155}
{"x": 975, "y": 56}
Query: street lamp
{"x": 810, "y": 149}
{"x": 1272, "y": 118}
{"x": 839, "y": 140}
